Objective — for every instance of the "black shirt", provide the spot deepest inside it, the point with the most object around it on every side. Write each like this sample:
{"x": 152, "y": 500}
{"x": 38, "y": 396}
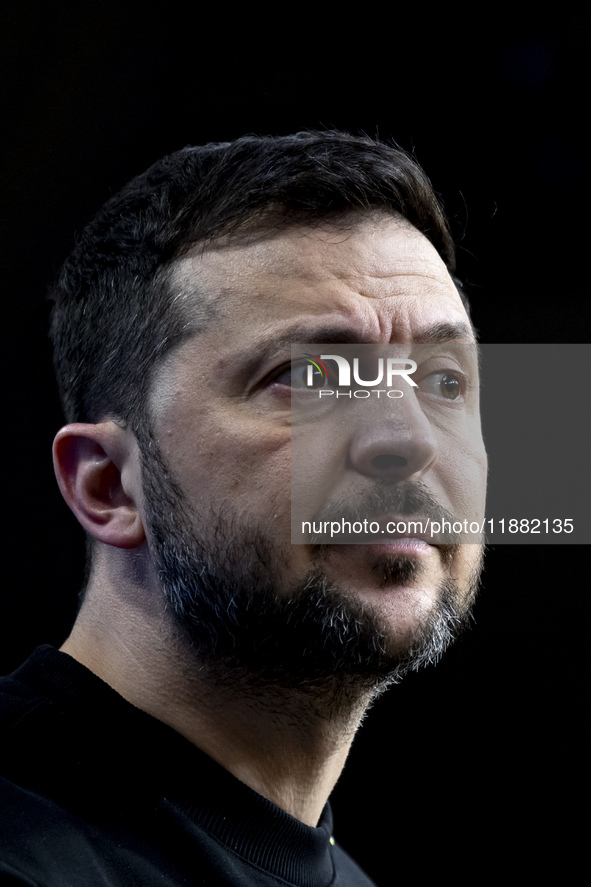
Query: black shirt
{"x": 94, "y": 791}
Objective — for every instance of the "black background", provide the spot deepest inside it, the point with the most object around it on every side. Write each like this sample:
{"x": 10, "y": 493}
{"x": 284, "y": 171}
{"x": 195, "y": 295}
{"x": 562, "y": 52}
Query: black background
{"x": 473, "y": 766}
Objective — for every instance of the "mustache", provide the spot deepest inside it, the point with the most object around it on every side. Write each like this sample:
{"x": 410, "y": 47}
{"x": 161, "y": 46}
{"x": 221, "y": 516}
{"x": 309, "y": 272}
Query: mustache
{"x": 408, "y": 500}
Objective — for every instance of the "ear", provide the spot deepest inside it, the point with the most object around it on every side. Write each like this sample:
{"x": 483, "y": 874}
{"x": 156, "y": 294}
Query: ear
{"x": 98, "y": 471}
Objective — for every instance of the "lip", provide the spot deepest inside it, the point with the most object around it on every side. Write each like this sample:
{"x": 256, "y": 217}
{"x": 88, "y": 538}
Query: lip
{"x": 404, "y": 545}
{"x": 413, "y": 537}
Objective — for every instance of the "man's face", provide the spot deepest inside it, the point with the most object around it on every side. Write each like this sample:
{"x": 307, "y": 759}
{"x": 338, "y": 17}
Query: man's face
{"x": 218, "y": 491}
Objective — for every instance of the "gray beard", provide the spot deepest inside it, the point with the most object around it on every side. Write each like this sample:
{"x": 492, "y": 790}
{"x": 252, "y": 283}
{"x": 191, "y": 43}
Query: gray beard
{"x": 224, "y": 589}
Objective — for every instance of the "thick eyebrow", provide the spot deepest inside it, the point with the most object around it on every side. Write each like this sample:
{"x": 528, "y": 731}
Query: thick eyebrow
{"x": 335, "y": 334}
{"x": 444, "y": 332}
{"x": 435, "y": 334}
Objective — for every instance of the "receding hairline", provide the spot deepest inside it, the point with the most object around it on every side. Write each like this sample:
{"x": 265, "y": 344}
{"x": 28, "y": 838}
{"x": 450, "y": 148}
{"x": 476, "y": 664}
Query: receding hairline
{"x": 267, "y": 228}
{"x": 275, "y": 219}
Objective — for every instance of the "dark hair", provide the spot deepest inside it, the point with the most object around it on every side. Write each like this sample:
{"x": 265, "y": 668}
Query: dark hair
{"x": 113, "y": 316}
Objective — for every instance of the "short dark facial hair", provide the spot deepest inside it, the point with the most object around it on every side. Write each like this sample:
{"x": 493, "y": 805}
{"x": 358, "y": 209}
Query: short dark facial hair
{"x": 225, "y": 592}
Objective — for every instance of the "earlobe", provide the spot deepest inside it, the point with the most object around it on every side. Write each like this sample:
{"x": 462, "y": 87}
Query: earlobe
{"x": 98, "y": 475}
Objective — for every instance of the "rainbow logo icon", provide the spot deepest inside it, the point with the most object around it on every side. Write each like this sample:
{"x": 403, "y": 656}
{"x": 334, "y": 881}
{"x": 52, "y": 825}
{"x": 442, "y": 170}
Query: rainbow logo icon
{"x": 314, "y": 363}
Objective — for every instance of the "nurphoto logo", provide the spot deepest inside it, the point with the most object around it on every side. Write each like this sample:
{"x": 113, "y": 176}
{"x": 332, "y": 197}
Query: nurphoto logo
{"x": 400, "y": 368}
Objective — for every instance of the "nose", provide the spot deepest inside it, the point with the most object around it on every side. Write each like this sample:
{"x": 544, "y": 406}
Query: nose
{"x": 395, "y": 444}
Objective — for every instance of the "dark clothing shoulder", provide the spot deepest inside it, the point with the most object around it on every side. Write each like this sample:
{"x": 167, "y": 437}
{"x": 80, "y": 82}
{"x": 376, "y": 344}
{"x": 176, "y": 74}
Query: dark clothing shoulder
{"x": 96, "y": 792}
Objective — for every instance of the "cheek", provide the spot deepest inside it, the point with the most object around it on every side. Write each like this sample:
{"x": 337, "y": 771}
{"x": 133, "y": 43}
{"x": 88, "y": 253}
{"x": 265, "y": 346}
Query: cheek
{"x": 462, "y": 473}
{"x": 236, "y": 461}
{"x": 319, "y": 457}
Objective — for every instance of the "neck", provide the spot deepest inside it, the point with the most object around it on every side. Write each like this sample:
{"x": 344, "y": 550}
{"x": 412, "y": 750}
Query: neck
{"x": 288, "y": 744}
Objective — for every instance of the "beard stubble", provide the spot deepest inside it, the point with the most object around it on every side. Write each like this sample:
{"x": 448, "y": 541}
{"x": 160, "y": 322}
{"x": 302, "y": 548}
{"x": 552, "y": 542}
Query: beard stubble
{"x": 223, "y": 583}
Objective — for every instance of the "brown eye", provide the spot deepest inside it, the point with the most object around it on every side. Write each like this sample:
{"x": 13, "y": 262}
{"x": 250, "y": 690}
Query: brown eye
{"x": 447, "y": 385}
{"x": 450, "y": 386}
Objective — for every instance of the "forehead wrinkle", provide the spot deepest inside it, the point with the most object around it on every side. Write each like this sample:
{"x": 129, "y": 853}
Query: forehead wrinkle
{"x": 363, "y": 280}
{"x": 297, "y": 268}
{"x": 238, "y": 274}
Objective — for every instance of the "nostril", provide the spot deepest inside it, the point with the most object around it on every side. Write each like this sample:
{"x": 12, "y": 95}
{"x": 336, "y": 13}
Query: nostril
{"x": 388, "y": 461}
